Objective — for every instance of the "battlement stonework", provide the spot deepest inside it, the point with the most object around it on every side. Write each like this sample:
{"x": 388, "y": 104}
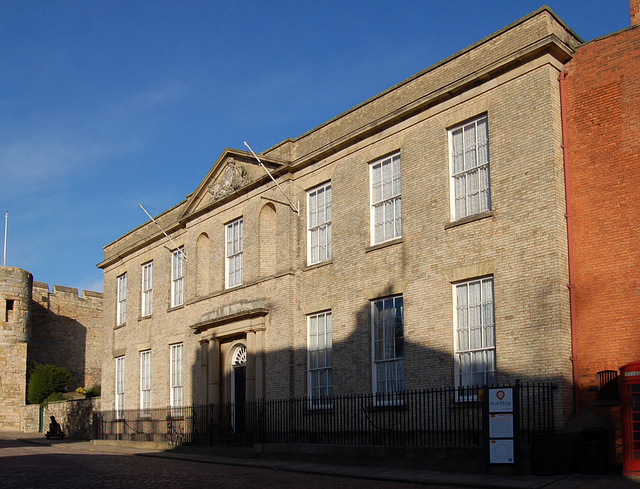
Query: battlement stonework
{"x": 38, "y": 326}
{"x": 70, "y": 322}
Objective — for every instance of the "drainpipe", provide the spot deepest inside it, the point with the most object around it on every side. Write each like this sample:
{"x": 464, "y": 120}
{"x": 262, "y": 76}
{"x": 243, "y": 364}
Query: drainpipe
{"x": 568, "y": 216}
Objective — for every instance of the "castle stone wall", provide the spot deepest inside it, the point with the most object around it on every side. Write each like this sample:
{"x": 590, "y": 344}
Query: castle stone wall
{"x": 65, "y": 331}
{"x": 15, "y": 324}
{"x": 39, "y": 326}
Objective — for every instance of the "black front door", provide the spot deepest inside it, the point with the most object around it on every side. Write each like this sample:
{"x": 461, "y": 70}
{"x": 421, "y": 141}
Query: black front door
{"x": 239, "y": 397}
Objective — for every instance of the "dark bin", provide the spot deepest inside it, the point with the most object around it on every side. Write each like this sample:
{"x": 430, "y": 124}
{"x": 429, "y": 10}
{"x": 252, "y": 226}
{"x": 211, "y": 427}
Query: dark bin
{"x": 593, "y": 452}
{"x": 550, "y": 454}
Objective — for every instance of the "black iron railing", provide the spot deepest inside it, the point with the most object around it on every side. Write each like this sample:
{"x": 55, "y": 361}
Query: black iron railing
{"x": 423, "y": 418}
{"x": 608, "y": 385}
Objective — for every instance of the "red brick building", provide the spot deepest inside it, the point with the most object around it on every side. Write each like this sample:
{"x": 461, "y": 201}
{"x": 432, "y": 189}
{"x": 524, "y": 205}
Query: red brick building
{"x": 602, "y": 157}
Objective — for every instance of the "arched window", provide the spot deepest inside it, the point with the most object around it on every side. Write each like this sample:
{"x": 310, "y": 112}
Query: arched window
{"x": 268, "y": 240}
{"x": 239, "y": 357}
{"x": 203, "y": 265}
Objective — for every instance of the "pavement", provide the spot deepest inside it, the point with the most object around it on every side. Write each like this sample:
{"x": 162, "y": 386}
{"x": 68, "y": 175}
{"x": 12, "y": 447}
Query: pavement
{"x": 422, "y": 477}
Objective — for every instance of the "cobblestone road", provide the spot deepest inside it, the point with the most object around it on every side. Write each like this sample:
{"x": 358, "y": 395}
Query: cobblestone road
{"x": 24, "y": 465}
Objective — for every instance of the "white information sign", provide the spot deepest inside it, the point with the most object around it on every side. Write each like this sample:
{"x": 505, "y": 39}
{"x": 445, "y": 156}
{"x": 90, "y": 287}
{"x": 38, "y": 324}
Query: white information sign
{"x": 501, "y": 452}
{"x": 501, "y": 400}
{"x": 501, "y": 425}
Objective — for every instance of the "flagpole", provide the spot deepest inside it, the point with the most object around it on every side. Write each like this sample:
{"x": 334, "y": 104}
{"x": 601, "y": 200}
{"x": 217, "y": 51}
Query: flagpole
{"x": 291, "y": 205}
{"x": 181, "y": 250}
{"x": 4, "y": 254}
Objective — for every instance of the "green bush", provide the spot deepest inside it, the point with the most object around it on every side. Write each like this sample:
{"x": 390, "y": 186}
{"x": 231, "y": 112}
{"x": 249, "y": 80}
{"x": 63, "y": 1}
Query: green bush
{"x": 45, "y": 380}
{"x": 54, "y": 396}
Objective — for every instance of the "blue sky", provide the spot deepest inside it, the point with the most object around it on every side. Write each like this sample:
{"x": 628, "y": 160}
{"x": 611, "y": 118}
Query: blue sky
{"x": 105, "y": 105}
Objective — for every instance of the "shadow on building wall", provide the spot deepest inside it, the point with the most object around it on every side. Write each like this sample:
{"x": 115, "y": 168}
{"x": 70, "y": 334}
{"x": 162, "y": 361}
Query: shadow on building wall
{"x": 286, "y": 372}
{"x": 58, "y": 340}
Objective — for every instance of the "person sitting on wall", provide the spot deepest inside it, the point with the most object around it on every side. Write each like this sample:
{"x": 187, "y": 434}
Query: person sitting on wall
{"x": 55, "y": 430}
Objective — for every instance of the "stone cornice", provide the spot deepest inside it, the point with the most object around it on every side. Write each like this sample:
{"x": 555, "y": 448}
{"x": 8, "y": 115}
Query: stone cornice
{"x": 550, "y": 44}
{"x": 232, "y": 313}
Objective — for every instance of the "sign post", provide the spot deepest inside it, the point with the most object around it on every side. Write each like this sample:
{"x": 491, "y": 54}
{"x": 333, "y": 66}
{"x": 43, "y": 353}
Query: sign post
{"x": 501, "y": 427}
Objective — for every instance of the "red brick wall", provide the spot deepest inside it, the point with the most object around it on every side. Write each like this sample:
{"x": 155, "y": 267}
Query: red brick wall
{"x": 603, "y": 116}
{"x": 635, "y": 11}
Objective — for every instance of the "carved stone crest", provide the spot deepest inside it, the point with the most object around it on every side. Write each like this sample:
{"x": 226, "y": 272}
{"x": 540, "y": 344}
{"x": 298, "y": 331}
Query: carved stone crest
{"x": 233, "y": 178}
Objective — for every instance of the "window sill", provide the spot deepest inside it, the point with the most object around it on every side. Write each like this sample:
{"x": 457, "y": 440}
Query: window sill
{"x": 118, "y": 326}
{"x": 321, "y": 264}
{"x": 142, "y": 318}
{"x": 461, "y": 402}
{"x": 475, "y": 217}
{"x": 324, "y": 408}
{"x": 384, "y": 244}
{"x": 175, "y": 308}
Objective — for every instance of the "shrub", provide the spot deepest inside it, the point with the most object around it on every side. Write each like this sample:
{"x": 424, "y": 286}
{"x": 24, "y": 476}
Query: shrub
{"x": 45, "y": 380}
{"x": 54, "y": 396}
{"x": 90, "y": 392}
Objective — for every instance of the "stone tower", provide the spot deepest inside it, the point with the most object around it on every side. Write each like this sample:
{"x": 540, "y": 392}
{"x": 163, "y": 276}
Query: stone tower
{"x": 15, "y": 332}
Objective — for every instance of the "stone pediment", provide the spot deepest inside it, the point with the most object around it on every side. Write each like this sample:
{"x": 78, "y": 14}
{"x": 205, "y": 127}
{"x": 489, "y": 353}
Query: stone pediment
{"x": 233, "y": 177}
{"x": 233, "y": 173}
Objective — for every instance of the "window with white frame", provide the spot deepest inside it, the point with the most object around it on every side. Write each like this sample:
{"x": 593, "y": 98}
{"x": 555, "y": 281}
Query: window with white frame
{"x": 233, "y": 252}
{"x": 177, "y": 277}
{"x": 175, "y": 400}
{"x": 319, "y": 360}
{"x": 469, "y": 150}
{"x": 387, "y": 323}
{"x": 386, "y": 202}
{"x": 474, "y": 325}
{"x": 119, "y": 404}
{"x": 121, "y": 312}
{"x": 145, "y": 382}
{"x": 319, "y": 224}
{"x": 147, "y": 289}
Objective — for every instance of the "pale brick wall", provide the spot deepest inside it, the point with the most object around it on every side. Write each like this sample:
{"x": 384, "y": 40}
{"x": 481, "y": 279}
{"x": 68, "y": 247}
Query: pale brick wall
{"x": 166, "y": 325}
{"x": 521, "y": 242}
{"x": 525, "y": 240}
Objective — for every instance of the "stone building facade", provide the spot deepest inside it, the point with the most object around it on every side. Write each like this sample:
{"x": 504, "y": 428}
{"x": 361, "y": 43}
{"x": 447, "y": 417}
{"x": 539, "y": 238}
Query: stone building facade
{"x": 430, "y": 248}
{"x": 39, "y": 326}
{"x": 603, "y": 157}
{"x": 15, "y": 329}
